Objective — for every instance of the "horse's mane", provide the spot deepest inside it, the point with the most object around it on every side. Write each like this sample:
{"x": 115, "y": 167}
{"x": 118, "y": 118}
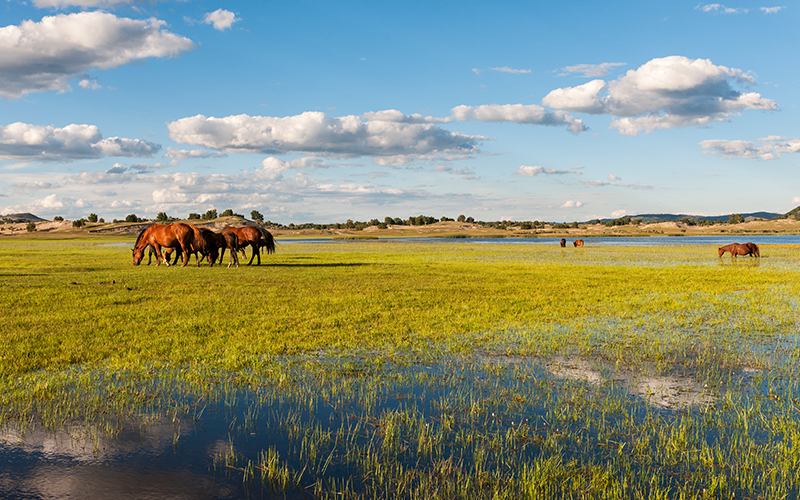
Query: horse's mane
{"x": 139, "y": 238}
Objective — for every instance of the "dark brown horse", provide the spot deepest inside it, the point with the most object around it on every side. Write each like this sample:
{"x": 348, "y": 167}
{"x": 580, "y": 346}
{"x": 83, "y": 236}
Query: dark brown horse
{"x": 178, "y": 236}
{"x": 204, "y": 245}
{"x": 737, "y": 249}
{"x": 255, "y": 237}
{"x": 563, "y": 242}
{"x": 223, "y": 241}
{"x": 578, "y": 243}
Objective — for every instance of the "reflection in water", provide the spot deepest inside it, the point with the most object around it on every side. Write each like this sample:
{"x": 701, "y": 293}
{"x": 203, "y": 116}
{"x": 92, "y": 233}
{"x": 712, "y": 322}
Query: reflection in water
{"x": 330, "y": 428}
{"x": 670, "y": 392}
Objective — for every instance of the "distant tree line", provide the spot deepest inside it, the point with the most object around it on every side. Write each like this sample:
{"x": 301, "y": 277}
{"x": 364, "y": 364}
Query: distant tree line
{"x": 418, "y": 220}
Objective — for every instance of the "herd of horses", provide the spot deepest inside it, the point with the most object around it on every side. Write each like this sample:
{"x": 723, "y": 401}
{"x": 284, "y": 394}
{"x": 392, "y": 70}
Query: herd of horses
{"x": 186, "y": 240}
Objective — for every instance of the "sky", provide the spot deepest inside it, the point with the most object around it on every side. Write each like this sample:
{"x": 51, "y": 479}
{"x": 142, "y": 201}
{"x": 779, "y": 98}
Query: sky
{"x": 320, "y": 112}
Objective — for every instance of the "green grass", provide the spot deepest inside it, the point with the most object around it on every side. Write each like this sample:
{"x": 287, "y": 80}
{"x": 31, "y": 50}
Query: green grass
{"x": 76, "y": 301}
{"x": 424, "y": 370}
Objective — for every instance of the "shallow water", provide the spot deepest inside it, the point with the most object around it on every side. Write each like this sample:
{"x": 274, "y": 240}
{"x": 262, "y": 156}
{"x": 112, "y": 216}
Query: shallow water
{"x": 326, "y": 415}
{"x": 716, "y": 240}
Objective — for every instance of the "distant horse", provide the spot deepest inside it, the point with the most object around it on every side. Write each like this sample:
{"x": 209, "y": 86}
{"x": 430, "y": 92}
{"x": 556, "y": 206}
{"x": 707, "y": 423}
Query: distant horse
{"x": 563, "y": 242}
{"x": 578, "y": 243}
{"x": 737, "y": 249}
{"x": 178, "y": 236}
{"x": 255, "y": 237}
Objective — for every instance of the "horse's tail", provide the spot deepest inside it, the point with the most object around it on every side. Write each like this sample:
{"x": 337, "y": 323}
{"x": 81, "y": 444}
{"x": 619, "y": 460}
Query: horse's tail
{"x": 269, "y": 241}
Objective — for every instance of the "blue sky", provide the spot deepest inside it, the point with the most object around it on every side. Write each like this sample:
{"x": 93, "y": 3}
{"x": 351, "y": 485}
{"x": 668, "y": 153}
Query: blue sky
{"x": 326, "y": 111}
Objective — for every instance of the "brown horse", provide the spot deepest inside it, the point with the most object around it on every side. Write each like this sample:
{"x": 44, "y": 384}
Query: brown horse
{"x": 255, "y": 237}
{"x": 205, "y": 245}
{"x": 178, "y": 236}
{"x": 737, "y": 249}
{"x": 578, "y": 243}
{"x": 563, "y": 242}
{"x": 223, "y": 241}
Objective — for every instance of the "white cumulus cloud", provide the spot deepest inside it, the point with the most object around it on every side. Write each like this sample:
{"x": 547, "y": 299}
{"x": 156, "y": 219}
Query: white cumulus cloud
{"x": 385, "y": 136}
{"x": 221, "y": 19}
{"x": 44, "y": 56}
{"x": 572, "y": 204}
{"x": 663, "y": 93}
{"x": 531, "y": 114}
{"x": 25, "y": 142}
{"x": 767, "y": 148}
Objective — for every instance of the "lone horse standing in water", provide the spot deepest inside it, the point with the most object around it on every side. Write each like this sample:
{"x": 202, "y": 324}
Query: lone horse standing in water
{"x": 737, "y": 249}
{"x": 178, "y": 236}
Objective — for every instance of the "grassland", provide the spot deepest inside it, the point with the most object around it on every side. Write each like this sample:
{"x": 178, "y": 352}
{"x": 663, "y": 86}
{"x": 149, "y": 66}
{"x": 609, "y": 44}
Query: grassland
{"x": 582, "y": 345}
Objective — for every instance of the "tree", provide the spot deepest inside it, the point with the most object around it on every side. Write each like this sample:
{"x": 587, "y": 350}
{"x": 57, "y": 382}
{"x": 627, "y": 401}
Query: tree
{"x": 462, "y": 218}
{"x": 131, "y": 218}
{"x": 92, "y": 218}
{"x": 31, "y": 227}
{"x": 228, "y": 213}
{"x": 102, "y": 220}
{"x": 194, "y": 216}
{"x": 162, "y": 217}
{"x": 735, "y": 219}
{"x": 58, "y": 218}
{"x": 256, "y": 215}
{"x": 211, "y": 214}
{"x": 79, "y": 223}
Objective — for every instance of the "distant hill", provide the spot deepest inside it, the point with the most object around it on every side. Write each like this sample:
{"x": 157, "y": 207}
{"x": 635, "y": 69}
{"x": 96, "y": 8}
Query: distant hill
{"x": 792, "y": 214}
{"x": 26, "y": 217}
{"x": 648, "y": 218}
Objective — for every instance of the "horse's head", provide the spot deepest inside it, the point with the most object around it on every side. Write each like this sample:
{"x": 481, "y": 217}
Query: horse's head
{"x": 721, "y": 251}
{"x": 138, "y": 254}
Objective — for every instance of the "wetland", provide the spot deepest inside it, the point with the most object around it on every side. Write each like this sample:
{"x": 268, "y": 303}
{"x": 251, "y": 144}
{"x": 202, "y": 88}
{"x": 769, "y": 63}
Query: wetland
{"x": 398, "y": 369}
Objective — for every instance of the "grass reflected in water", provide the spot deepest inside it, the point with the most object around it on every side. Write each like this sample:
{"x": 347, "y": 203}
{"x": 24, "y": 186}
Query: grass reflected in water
{"x": 484, "y": 425}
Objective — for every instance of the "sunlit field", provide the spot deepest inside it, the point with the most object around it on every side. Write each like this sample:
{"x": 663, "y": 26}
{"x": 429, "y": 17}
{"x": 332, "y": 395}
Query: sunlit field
{"x": 373, "y": 369}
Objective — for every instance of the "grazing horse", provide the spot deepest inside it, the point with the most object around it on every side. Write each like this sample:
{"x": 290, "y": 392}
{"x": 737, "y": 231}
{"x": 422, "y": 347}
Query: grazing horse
{"x": 578, "y": 243}
{"x": 204, "y": 245}
{"x": 754, "y": 251}
{"x": 255, "y": 237}
{"x": 737, "y": 249}
{"x": 178, "y": 236}
{"x": 563, "y": 242}
{"x": 223, "y": 241}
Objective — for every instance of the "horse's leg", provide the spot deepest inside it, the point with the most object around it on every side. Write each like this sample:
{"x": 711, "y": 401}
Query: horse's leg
{"x": 234, "y": 257}
{"x": 255, "y": 250}
{"x": 159, "y": 254}
{"x": 185, "y": 251}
